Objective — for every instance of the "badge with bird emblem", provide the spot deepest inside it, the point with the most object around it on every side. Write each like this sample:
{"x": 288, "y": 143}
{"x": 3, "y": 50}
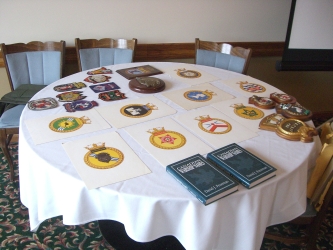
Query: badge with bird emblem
{"x": 199, "y": 95}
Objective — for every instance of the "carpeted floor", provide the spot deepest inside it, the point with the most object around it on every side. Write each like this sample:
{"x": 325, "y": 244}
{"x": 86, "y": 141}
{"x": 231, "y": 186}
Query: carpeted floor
{"x": 52, "y": 234}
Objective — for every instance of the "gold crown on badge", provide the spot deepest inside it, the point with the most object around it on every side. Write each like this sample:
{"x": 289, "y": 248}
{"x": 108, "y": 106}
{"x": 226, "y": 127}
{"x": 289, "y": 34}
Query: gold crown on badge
{"x": 203, "y": 118}
{"x": 85, "y": 120}
{"x": 237, "y": 105}
{"x": 157, "y": 131}
{"x": 151, "y": 106}
{"x": 96, "y": 147}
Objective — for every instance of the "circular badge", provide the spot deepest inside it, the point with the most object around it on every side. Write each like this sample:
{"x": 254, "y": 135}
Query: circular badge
{"x": 166, "y": 139}
{"x": 247, "y": 112}
{"x": 214, "y": 125}
{"x": 188, "y": 73}
{"x": 137, "y": 110}
{"x": 198, "y": 95}
{"x": 104, "y": 158}
{"x": 67, "y": 124}
{"x": 251, "y": 87}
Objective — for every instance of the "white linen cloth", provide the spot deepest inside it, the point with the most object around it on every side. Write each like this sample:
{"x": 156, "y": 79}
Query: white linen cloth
{"x": 155, "y": 205}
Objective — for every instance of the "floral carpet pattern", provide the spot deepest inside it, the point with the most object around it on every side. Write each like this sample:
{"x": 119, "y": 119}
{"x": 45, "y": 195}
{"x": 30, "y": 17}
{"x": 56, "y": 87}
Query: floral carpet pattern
{"x": 53, "y": 234}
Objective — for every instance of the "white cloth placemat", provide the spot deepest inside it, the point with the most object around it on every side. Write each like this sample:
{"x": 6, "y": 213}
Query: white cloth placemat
{"x": 104, "y": 159}
{"x": 167, "y": 141}
{"x": 65, "y": 125}
{"x": 214, "y": 127}
{"x": 197, "y": 96}
{"x": 249, "y": 116}
{"x": 134, "y": 111}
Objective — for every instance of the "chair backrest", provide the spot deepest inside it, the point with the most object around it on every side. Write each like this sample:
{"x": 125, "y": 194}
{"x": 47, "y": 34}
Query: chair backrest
{"x": 210, "y": 54}
{"x": 33, "y": 63}
{"x": 93, "y": 53}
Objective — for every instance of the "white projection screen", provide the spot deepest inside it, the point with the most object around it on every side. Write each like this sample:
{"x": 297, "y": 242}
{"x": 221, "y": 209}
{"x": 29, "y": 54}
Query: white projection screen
{"x": 309, "y": 40}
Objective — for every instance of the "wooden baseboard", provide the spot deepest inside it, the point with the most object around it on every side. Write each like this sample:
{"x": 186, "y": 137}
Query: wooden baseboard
{"x": 165, "y": 51}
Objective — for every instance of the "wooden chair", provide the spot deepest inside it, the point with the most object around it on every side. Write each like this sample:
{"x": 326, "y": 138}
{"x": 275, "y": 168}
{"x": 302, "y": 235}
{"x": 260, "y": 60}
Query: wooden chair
{"x": 29, "y": 68}
{"x": 92, "y": 53}
{"x": 320, "y": 198}
{"x": 210, "y": 54}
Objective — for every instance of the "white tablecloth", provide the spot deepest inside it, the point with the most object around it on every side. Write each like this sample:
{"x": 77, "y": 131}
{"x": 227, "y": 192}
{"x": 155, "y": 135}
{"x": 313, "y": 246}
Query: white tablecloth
{"x": 155, "y": 205}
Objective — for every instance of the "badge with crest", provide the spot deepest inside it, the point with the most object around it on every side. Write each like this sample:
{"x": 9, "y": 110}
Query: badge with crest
{"x": 102, "y": 157}
{"x": 99, "y": 71}
{"x": 166, "y": 139}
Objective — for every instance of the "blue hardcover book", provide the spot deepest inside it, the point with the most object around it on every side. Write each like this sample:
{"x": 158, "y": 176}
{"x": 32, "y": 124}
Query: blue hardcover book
{"x": 247, "y": 168}
{"x": 202, "y": 179}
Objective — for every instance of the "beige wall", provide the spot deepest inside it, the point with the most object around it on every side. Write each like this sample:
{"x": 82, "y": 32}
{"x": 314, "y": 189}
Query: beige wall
{"x": 150, "y": 21}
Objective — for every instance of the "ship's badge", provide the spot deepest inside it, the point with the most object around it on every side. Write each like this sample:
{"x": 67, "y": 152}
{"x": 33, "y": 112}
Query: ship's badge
{"x": 247, "y": 112}
{"x": 69, "y": 86}
{"x": 97, "y": 78}
{"x": 102, "y": 157}
{"x": 188, "y": 73}
{"x": 213, "y": 125}
{"x": 271, "y": 122}
{"x": 80, "y": 105}
{"x": 138, "y": 110}
{"x": 199, "y": 95}
{"x": 251, "y": 87}
{"x": 111, "y": 96}
{"x": 101, "y": 70}
{"x": 294, "y": 111}
{"x": 70, "y": 96}
{"x": 262, "y": 102}
{"x": 282, "y": 98}
{"x": 166, "y": 139}
{"x": 68, "y": 123}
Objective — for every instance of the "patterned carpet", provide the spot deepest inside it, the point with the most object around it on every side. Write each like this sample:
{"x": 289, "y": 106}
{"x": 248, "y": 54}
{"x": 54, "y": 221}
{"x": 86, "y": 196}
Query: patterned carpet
{"x": 52, "y": 234}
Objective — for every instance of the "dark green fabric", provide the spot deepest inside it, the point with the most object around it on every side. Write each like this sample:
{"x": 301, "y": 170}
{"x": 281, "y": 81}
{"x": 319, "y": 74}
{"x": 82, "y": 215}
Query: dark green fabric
{"x": 22, "y": 94}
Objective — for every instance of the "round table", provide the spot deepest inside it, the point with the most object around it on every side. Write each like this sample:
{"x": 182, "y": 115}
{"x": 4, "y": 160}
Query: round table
{"x": 155, "y": 205}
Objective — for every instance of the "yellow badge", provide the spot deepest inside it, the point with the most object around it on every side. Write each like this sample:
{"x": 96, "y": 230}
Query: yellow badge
{"x": 166, "y": 139}
{"x": 213, "y": 125}
{"x": 188, "y": 73}
{"x": 102, "y": 157}
{"x": 68, "y": 123}
{"x": 247, "y": 112}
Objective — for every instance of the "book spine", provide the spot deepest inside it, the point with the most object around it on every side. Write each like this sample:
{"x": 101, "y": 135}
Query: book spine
{"x": 185, "y": 184}
{"x": 228, "y": 171}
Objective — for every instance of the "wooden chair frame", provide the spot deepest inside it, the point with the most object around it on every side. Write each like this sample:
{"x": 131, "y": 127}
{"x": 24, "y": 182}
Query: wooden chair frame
{"x": 6, "y": 134}
{"x": 217, "y": 47}
{"x": 31, "y": 46}
{"x": 103, "y": 43}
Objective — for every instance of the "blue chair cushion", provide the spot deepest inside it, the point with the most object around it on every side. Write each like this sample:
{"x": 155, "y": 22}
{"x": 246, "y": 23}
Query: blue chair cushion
{"x": 11, "y": 117}
{"x": 220, "y": 60}
{"x": 98, "y": 57}
{"x": 37, "y": 67}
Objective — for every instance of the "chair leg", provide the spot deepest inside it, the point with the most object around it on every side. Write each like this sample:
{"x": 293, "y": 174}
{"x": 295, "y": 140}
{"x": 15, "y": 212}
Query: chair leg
{"x": 4, "y": 147}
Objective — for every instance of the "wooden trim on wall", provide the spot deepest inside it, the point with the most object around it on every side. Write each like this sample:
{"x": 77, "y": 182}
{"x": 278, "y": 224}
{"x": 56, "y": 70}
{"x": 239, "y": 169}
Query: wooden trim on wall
{"x": 165, "y": 51}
